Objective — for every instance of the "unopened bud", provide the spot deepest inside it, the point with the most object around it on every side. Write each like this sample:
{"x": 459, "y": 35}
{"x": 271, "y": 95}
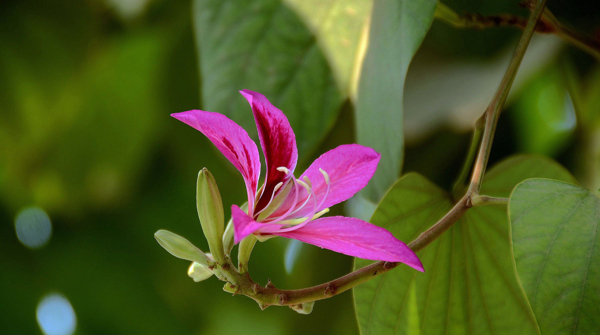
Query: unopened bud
{"x": 180, "y": 247}
{"x": 199, "y": 272}
{"x": 305, "y": 308}
{"x": 210, "y": 213}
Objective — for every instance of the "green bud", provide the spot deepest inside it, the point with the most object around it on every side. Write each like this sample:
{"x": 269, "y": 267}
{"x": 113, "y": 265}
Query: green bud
{"x": 210, "y": 213}
{"x": 305, "y": 308}
{"x": 180, "y": 247}
{"x": 199, "y": 272}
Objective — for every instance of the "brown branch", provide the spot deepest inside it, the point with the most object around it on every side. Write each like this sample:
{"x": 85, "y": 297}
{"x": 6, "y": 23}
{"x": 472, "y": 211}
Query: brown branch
{"x": 548, "y": 24}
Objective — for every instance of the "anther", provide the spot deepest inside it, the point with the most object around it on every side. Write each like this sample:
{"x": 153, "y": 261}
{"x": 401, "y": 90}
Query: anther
{"x": 307, "y": 181}
{"x": 305, "y": 185}
{"x": 283, "y": 169}
{"x": 325, "y": 175}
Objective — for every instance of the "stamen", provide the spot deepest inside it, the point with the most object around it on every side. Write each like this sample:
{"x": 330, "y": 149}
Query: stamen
{"x": 308, "y": 218}
{"x": 282, "y": 217}
{"x": 325, "y": 175}
{"x": 277, "y": 187}
{"x": 306, "y": 180}
{"x": 309, "y": 184}
{"x": 305, "y": 185}
{"x": 283, "y": 169}
{"x": 293, "y": 222}
{"x": 328, "y": 181}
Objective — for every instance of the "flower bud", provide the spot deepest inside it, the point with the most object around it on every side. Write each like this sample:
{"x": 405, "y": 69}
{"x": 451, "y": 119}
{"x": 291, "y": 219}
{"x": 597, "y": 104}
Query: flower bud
{"x": 199, "y": 272}
{"x": 210, "y": 213}
{"x": 180, "y": 247}
{"x": 305, "y": 308}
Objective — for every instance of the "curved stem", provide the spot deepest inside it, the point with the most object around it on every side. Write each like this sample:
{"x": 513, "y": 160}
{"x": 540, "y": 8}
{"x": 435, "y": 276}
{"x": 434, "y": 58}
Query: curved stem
{"x": 493, "y": 110}
{"x": 266, "y": 296}
{"x": 459, "y": 184}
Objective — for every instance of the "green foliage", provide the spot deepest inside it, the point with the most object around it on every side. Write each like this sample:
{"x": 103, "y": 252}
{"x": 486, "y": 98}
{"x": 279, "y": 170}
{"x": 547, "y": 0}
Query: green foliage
{"x": 271, "y": 51}
{"x": 469, "y": 284}
{"x": 554, "y": 234}
{"x": 397, "y": 29}
{"x": 337, "y": 25}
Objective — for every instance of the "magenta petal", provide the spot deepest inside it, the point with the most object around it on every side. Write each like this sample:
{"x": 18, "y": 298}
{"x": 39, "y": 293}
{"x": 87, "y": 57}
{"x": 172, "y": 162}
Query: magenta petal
{"x": 356, "y": 238}
{"x": 349, "y": 166}
{"x": 243, "y": 224}
{"x": 233, "y": 142}
{"x": 277, "y": 140}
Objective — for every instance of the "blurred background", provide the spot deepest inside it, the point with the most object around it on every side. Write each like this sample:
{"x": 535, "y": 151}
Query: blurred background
{"x": 91, "y": 164}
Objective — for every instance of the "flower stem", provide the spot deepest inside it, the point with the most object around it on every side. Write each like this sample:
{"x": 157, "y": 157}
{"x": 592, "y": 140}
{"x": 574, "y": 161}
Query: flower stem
{"x": 492, "y": 113}
{"x": 245, "y": 249}
{"x": 458, "y": 188}
{"x": 241, "y": 283}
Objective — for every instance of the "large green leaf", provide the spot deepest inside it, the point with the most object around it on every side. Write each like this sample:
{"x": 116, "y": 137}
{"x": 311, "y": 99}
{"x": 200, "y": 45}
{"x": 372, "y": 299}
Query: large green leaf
{"x": 338, "y": 25}
{"x": 554, "y": 232}
{"x": 263, "y": 45}
{"x": 397, "y": 29}
{"x": 469, "y": 285}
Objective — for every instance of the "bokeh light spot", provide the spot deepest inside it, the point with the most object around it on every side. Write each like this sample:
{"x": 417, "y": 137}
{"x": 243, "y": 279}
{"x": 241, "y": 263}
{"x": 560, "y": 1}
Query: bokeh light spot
{"x": 56, "y": 316}
{"x": 33, "y": 227}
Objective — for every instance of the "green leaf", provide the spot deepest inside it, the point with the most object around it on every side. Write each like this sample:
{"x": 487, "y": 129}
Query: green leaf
{"x": 556, "y": 245}
{"x": 338, "y": 25}
{"x": 469, "y": 285}
{"x": 264, "y": 46}
{"x": 397, "y": 29}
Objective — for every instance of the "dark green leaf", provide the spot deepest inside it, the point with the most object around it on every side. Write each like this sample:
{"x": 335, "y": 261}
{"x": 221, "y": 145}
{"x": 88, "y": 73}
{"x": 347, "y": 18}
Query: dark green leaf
{"x": 397, "y": 29}
{"x": 554, "y": 232}
{"x": 264, "y": 46}
{"x": 469, "y": 285}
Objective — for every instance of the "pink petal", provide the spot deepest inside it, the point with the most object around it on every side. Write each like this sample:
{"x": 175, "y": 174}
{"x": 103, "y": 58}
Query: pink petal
{"x": 277, "y": 140}
{"x": 356, "y": 238}
{"x": 243, "y": 224}
{"x": 349, "y": 166}
{"x": 233, "y": 142}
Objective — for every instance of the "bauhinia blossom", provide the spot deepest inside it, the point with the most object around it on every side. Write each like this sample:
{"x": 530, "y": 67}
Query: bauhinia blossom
{"x": 292, "y": 207}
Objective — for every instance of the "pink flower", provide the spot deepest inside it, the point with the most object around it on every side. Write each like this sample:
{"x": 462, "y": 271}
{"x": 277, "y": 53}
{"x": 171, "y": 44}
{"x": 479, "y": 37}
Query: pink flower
{"x": 291, "y": 207}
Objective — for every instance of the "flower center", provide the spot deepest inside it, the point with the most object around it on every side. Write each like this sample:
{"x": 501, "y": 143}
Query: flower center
{"x": 289, "y": 220}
